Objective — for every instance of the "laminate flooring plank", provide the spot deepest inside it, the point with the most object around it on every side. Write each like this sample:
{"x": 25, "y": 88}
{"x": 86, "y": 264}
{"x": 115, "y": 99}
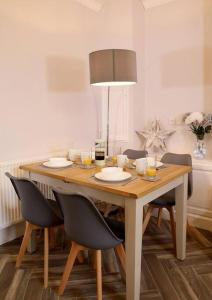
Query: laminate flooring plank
{"x": 163, "y": 276}
{"x": 195, "y": 282}
{"x": 147, "y": 280}
{"x": 195, "y": 260}
{"x": 204, "y": 269}
{"x": 6, "y": 277}
{"x": 14, "y": 286}
{"x": 179, "y": 281}
{"x": 206, "y": 280}
{"x": 23, "y": 285}
{"x": 162, "y": 280}
{"x": 34, "y": 290}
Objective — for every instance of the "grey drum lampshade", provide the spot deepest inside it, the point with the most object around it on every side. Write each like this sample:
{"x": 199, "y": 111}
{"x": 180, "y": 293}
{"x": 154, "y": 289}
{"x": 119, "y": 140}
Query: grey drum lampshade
{"x": 113, "y": 67}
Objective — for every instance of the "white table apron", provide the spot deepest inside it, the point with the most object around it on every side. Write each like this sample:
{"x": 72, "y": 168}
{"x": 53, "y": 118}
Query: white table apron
{"x": 133, "y": 221}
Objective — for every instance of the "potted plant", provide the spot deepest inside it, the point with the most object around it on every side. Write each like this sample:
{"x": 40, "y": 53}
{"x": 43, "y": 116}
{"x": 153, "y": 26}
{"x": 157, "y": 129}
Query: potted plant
{"x": 200, "y": 124}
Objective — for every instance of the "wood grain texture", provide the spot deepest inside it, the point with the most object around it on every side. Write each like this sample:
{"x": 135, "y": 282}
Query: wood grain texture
{"x": 99, "y": 274}
{"x": 134, "y": 189}
{"x": 162, "y": 275}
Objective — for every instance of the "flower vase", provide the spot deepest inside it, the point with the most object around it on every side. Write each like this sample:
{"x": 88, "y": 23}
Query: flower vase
{"x": 200, "y": 149}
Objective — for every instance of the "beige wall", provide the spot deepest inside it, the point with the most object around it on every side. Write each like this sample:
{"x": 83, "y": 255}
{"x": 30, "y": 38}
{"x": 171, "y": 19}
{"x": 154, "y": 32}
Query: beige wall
{"x": 208, "y": 54}
{"x": 44, "y": 78}
{"x": 138, "y": 101}
{"x": 46, "y": 101}
{"x": 177, "y": 66}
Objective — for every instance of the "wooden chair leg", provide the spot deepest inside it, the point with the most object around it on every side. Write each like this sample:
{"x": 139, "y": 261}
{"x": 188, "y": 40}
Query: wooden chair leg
{"x": 46, "y": 257}
{"x": 147, "y": 217}
{"x": 172, "y": 222}
{"x": 75, "y": 248}
{"x": 195, "y": 233}
{"x": 93, "y": 259}
{"x": 99, "y": 274}
{"x": 52, "y": 237}
{"x": 27, "y": 234}
{"x": 144, "y": 212}
{"x": 122, "y": 256}
{"x": 80, "y": 257}
{"x": 160, "y": 210}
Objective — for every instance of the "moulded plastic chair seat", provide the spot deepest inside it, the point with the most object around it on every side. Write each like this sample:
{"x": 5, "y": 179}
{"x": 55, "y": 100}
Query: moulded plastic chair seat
{"x": 135, "y": 154}
{"x": 83, "y": 222}
{"x": 176, "y": 159}
{"x": 35, "y": 208}
{"x": 168, "y": 200}
{"x": 87, "y": 229}
{"x": 38, "y": 213}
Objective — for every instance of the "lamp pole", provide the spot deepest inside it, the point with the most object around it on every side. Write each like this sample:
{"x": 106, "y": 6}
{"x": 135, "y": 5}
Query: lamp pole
{"x": 108, "y": 119}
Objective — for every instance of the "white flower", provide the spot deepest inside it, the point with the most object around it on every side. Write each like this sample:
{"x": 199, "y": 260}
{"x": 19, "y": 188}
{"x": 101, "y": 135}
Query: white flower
{"x": 194, "y": 117}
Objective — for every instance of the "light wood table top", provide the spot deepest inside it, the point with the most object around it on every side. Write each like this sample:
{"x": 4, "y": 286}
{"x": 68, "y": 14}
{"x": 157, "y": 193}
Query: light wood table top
{"x": 135, "y": 189}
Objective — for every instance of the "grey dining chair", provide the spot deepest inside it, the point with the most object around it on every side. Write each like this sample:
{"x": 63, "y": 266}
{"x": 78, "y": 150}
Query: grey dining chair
{"x": 168, "y": 200}
{"x": 39, "y": 213}
{"x": 87, "y": 229}
{"x": 135, "y": 154}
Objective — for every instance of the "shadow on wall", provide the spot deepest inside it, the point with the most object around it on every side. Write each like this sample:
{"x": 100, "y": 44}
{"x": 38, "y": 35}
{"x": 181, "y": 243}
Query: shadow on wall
{"x": 208, "y": 65}
{"x": 65, "y": 74}
{"x": 182, "y": 68}
{"x": 208, "y": 55}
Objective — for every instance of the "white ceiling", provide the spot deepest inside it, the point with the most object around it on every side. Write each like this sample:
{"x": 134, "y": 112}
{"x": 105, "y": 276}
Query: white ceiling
{"x": 96, "y": 5}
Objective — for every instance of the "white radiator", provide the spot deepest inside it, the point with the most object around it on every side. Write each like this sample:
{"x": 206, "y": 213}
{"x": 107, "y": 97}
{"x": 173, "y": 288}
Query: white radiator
{"x": 10, "y": 212}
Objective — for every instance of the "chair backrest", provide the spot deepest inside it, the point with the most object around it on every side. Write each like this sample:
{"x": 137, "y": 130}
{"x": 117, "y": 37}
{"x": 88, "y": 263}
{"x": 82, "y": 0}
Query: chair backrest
{"x": 34, "y": 206}
{"x": 135, "y": 154}
{"x": 83, "y": 223}
{"x": 180, "y": 159}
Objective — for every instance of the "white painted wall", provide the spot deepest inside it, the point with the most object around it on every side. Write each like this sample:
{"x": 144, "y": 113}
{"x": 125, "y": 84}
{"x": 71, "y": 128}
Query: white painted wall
{"x": 178, "y": 79}
{"x": 178, "y": 64}
{"x": 46, "y": 101}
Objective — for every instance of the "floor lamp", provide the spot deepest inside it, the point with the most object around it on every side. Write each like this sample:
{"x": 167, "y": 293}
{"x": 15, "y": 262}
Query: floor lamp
{"x": 112, "y": 67}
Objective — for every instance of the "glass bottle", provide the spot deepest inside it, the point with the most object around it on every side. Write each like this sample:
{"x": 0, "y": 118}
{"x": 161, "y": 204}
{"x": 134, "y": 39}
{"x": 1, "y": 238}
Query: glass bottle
{"x": 100, "y": 152}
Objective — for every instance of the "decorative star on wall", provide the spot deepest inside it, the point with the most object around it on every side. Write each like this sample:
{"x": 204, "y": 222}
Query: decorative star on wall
{"x": 155, "y": 137}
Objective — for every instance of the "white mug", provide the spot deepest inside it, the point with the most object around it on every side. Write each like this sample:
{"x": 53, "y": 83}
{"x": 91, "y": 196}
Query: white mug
{"x": 122, "y": 160}
{"x": 141, "y": 165}
{"x": 73, "y": 154}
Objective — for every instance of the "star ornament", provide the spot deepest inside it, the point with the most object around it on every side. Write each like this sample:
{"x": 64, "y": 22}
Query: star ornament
{"x": 155, "y": 137}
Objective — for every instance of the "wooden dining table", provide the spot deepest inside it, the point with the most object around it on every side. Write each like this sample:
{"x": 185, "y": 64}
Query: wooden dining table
{"x": 132, "y": 196}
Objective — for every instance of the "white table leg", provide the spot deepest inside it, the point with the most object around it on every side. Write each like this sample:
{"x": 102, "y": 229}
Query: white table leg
{"x": 181, "y": 196}
{"x": 133, "y": 245}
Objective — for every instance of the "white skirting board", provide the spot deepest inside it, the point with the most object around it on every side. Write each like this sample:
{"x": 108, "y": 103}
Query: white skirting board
{"x": 200, "y": 205}
{"x": 11, "y": 232}
{"x": 197, "y": 219}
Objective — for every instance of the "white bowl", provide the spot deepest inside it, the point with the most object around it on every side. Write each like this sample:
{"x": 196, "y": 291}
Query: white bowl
{"x": 112, "y": 170}
{"x": 57, "y": 160}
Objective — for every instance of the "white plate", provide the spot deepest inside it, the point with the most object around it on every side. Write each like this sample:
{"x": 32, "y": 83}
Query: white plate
{"x": 118, "y": 176}
{"x": 62, "y": 165}
{"x": 158, "y": 164}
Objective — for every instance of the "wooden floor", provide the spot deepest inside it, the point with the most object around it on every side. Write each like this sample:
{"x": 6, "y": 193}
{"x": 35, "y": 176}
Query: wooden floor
{"x": 163, "y": 276}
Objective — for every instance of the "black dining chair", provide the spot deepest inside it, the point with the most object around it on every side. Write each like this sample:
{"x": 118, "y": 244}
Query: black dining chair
{"x": 87, "y": 229}
{"x": 39, "y": 213}
{"x": 168, "y": 200}
{"x": 135, "y": 154}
